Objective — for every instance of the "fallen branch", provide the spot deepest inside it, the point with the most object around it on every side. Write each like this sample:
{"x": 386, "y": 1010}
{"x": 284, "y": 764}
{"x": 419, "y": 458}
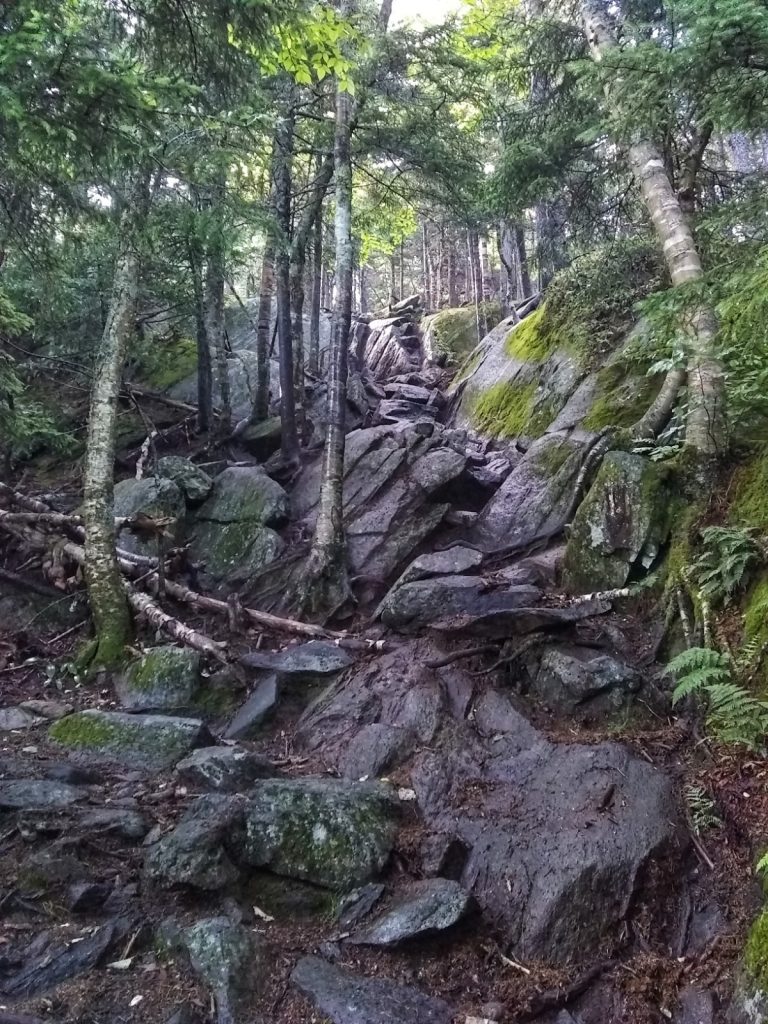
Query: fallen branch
{"x": 604, "y": 595}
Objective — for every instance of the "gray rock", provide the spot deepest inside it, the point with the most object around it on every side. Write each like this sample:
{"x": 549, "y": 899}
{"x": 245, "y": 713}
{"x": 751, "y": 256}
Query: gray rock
{"x": 548, "y": 826}
{"x": 18, "y": 718}
{"x": 50, "y": 709}
{"x": 418, "y": 604}
{"x": 224, "y": 769}
{"x": 262, "y": 439}
{"x": 194, "y": 483}
{"x": 429, "y": 906}
{"x": 443, "y": 855}
{"x": 697, "y": 1006}
{"x": 621, "y": 522}
{"x": 499, "y": 624}
{"x": 228, "y": 958}
{"x": 83, "y": 897}
{"x": 572, "y": 678}
{"x": 374, "y": 749}
{"x": 454, "y": 561}
{"x": 199, "y": 852}
{"x": 38, "y": 794}
{"x": 150, "y": 742}
{"x": 245, "y": 494}
{"x": 356, "y": 904}
{"x": 233, "y": 552}
{"x": 50, "y": 868}
{"x": 163, "y": 679}
{"x": 259, "y": 705}
{"x": 349, "y": 999}
{"x": 126, "y": 824}
{"x": 331, "y": 832}
{"x": 318, "y": 658}
{"x": 153, "y": 497}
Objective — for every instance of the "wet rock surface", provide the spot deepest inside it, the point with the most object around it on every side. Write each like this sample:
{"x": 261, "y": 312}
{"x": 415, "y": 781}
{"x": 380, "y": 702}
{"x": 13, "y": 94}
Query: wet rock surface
{"x": 423, "y": 909}
{"x": 145, "y": 741}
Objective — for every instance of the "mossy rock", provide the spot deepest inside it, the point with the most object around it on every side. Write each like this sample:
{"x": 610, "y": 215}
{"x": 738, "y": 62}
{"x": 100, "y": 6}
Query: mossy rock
{"x": 530, "y": 341}
{"x": 156, "y": 498}
{"x": 163, "y": 679}
{"x": 504, "y": 410}
{"x": 620, "y": 524}
{"x": 451, "y": 334}
{"x": 245, "y": 494}
{"x": 234, "y": 552}
{"x": 193, "y": 482}
{"x": 147, "y": 741}
{"x": 749, "y": 1003}
{"x": 166, "y": 362}
{"x": 263, "y": 439}
{"x": 331, "y": 832}
{"x": 289, "y": 899}
{"x": 749, "y": 505}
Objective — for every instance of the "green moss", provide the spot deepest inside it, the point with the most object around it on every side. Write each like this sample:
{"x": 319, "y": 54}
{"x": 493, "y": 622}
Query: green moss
{"x": 551, "y": 459}
{"x": 756, "y": 951}
{"x": 124, "y": 738}
{"x": 622, "y": 397}
{"x": 750, "y": 492}
{"x": 504, "y": 410}
{"x": 89, "y": 732}
{"x": 468, "y": 367}
{"x": 530, "y": 341}
{"x": 455, "y": 331}
{"x": 167, "y": 362}
{"x": 541, "y": 417}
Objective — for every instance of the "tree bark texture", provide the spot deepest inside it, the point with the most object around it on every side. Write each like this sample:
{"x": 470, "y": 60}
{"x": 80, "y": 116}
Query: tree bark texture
{"x": 214, "y": 302}
{"x": 317, "y": 294}
{"x": 204, "y": 369}
{"x": 706, "y": 422}
{"x": 109, "y": 606}
{"x": 260, "y": 410}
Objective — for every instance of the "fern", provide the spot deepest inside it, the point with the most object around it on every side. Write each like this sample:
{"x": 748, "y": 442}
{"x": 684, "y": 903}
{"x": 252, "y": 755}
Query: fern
{"x": 724, "y": 565}
{"x": 733, "y": 714}
{"x": 701, "y": 810}
{"x": 762, "y": 864}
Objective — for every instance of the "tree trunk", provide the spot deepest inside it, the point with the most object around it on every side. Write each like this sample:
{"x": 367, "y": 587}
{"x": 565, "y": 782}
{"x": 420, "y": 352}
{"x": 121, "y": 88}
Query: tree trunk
{"x": 425, "y": 268}
{"x": 328, "y": 586}
{"x": 706, "y": 422}
{"x": 525, "y": 276}
{"x": 260, "y": 410}
{"x": 214, "y": 326}
{"x": 106, "y": 595}
{"x": 204, "y": 370}
{"x": 284, "y": 139}
{"x": 453, "y": 293}
{"x": 298, "y": 261}
{"x": 317, "y": 290}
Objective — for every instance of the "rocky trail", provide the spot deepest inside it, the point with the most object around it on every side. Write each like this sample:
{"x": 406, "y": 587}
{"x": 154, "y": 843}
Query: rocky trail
{"x": 439, "y": 824}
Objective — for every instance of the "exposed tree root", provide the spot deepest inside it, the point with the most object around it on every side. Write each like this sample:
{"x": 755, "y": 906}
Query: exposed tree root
{"x": 468, "y": 652}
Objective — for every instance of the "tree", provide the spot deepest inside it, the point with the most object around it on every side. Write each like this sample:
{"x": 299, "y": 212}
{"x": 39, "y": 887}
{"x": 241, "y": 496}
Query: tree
{"x": 106, "y": 594}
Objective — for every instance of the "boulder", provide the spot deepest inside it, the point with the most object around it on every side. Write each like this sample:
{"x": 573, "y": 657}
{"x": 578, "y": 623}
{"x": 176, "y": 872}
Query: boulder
{"x": 571, "y": 679}
{"x": 232, "y": 536}
{"x": 331, "y": 832}
{"x": 194, "y": 483}
{"x": 162, "y": 679}
{"x": 454, "y": 561}
{"x": 201, "y": 850}
{"x": 224, "y": 769}
{"x": 150, "y": 742}
{"x": 452, "y": 334}
{"x": 358, "y": 903}
{"x": 424, "y": 908}
{"x": 621, "y": 523}
{"x": 126, "y": 824}
{"x": 557, "y": 835}
{"x": 156, "y": 498}
{"x": 347, "y": 998}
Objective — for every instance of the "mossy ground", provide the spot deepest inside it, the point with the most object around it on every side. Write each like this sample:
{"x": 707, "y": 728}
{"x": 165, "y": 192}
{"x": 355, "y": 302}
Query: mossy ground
{"x": 530, "y": 341}
{"x": 756, "y": 951}
{"x": 749, "y": 506}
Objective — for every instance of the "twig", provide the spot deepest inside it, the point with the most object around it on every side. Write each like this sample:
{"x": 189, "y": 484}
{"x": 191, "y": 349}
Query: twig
{"x": 513, "y": 963}
{"x": 699, "y": 847}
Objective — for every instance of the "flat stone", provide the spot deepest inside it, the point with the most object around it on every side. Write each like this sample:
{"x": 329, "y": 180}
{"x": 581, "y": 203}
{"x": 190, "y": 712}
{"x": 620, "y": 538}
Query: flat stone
{"x": 316, "y": 658}
{"x": 224, "y": 769}
{"x": 331, "y": 832}
{"x": 417, "y": 604}
{"x": 429, "y": 906}
{"x": 17, "y": 718}
{"x": 374, "y": 749}
{"x": 38, "y": 794}
{"x": 50, "y": 709}
{"x": 127, "y": 824}
{"x": 347, "y": 998}
{"x": 162, "y": 679}
{"x": 259, "y": 705}
{"x": 356, "y": 904}
{"x": 454, "y": 561}
{"x": 140, "y": 741}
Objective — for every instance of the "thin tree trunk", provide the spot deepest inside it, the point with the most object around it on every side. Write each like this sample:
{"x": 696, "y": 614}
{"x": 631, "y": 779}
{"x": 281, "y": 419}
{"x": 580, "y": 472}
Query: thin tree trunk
{"x": 425, "y": 269}
{"x": 706, "y": 423}
{"x": 298, "y": 261}
{"x": 204, "y": 370}
{"x": 214, "y": 326}
{"x": 284, "y": 139}
{"x": 328, "y": 586}
{"x": 525, "y": 276}
{"x": 317, "y": 289}
{"x": 109, "y": 606}
{"x": 260, "y": 410}
{"x": 453, "y": 293}
{"x": 402, "y": 270}
{"x": 364, "y": 300}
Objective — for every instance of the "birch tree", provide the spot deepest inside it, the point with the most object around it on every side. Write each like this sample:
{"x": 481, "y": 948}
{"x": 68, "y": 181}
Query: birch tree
{"x": 706, "y": 424}
{"x": 106, "y": 594}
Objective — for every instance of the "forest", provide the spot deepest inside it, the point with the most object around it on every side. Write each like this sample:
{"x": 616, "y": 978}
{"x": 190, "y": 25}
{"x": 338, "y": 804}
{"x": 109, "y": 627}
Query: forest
{"x": 383, "y": 512}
